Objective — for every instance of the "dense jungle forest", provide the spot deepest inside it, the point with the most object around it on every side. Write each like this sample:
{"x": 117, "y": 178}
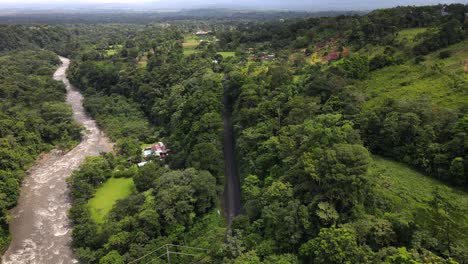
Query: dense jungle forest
{"x": 350, "y": 134}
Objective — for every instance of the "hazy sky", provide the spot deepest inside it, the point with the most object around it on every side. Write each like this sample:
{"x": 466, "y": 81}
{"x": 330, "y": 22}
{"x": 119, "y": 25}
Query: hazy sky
{"x": 213, "y": 1}
{"x": 74, "y": 2}
{"x": 257, "y": 4}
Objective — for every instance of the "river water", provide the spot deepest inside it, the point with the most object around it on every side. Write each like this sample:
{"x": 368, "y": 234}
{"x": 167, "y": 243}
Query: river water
{"x": 40, "y": 228}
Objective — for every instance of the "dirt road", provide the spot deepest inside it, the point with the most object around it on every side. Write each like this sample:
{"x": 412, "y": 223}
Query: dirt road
{"x": 232, "y": 203}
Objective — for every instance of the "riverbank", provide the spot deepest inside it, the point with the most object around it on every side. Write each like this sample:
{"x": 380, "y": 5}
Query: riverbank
{"x": 40, "y": 229}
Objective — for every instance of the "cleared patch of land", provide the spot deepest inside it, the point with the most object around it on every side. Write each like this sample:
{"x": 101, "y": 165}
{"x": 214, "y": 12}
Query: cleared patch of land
{"x": 407, "y": 189}
{"x": 441, "y": 80}
{"x": 191, "y": 43}
{"x": 188, "y": 52}
{"x": 227, "y": 54}
{"x": 408, "y": 36}
{"x": 107, "y": 195}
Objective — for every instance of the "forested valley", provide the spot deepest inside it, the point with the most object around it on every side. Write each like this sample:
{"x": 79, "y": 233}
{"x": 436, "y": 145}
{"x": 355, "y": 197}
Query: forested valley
{"x": 350, "y": 135}
{"x": 34, "y": 119}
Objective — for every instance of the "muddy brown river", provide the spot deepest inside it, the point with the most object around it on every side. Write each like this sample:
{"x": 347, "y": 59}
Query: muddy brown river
{"x": 39, "y": 226}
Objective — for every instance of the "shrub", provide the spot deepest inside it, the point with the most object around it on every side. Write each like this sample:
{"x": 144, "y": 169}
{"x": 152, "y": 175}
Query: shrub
{"x": 444, "y": 54}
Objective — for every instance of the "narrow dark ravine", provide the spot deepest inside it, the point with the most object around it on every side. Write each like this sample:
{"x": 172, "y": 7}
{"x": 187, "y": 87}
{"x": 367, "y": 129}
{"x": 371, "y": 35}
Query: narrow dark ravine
{"x": 232, "y": 203}
{"x": 40, "y": 228}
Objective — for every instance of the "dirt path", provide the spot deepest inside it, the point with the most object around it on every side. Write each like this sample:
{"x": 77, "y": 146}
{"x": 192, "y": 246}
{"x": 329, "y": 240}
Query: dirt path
{"x": 232, "y": 204}
{"x": 39, "y": 227}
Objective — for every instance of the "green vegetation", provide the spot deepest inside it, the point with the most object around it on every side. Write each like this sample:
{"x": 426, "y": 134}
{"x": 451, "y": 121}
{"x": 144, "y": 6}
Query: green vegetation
{"x": 113, "y": 50}
{"x": 406, "y": 107}
{"x": 169, "y": 205}
{"x": 14, "y": 37}
{"x": 311, "y": 191}
{"x": 191, "y": 40}
{"x": 410, "y": 82}
{"x": 409, "y": 36}
{"x": 126, "y": 119}
{"x": 360, "y": 158}
{"x": 166, "y": 206}
{"x": 107, "y": 195}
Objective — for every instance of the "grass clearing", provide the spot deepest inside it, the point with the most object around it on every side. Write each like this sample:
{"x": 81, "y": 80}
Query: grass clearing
{"x": 408, "y": 35}
{"x": 190, "y": 44}
{"x": 405, "y": 37}
{"x": 406, "y": 188}
{"x": 191, "y": 51}
{"x": 107, "y": 195}
{"x": 226, "y": 54}
{"x": 408, "y": 82}
{"x": 434, "y": 78}
{"x": 191, "y": 39}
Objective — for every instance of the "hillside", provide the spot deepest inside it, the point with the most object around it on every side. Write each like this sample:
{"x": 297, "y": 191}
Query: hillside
{"x": 440, "y": 80}
{"x": 408, "y": 189}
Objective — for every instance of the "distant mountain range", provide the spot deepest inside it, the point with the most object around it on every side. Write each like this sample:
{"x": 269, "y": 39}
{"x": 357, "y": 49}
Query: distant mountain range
{"x": 297, "y": 5}
{"x": 58, "y": 15}
{"x": 174, "y": 5}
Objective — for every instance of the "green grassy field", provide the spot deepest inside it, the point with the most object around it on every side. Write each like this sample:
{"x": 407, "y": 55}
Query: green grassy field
{"x": 191, "y": 39}
{"x": 107, "y": 195}
{"x": 434, "y": 78}
{"x": 226, "y": 54}
{"x": 190, "y": 44}
{"x": 407, "y": 36}
{"x": 407, "y": 188}
{"x": 188, "y": 52}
